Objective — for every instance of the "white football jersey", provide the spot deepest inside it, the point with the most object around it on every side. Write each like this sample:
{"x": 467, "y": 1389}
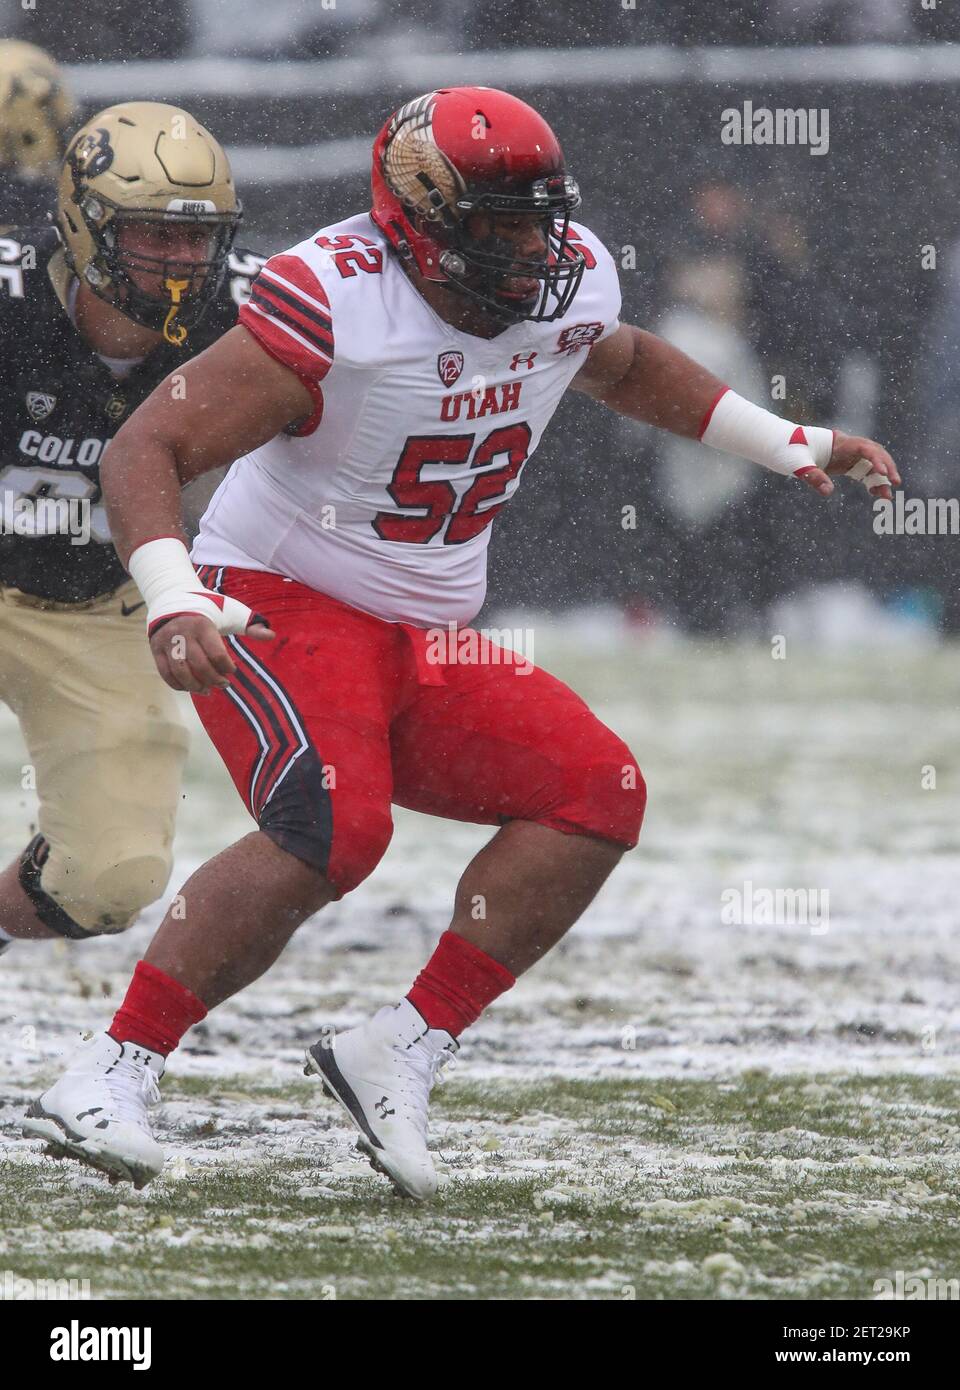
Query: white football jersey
{"x": 384, "y": 498}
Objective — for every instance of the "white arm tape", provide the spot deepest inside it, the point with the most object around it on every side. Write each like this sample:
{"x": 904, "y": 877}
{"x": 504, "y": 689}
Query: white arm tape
{"x": 737, "y": 426}
{"x": 170, "y": 586}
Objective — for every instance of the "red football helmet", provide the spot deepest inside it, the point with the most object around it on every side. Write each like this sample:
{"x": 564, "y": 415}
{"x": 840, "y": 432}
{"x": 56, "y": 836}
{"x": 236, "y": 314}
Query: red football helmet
{"x": 451, "y": 152}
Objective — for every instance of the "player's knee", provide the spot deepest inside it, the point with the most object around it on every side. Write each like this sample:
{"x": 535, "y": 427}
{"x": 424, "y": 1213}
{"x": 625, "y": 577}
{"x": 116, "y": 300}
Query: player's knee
{"x": 631, "y": 797}
{"x": 359, "y": 843}
{"x": 338, "y": 826}
{"x": 605, "y": 793}
{"x": 343, "y": 846}
{"x": 124, "y": 887}
{"x": 99, "y": 892}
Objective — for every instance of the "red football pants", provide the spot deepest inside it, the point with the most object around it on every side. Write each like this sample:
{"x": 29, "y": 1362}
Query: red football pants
{"x": 344, "y": 713}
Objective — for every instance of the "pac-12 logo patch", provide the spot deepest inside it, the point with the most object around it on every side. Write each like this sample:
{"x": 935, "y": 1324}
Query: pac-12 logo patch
{"x": 449, "y": 367}
{"x": 40, "y": 404}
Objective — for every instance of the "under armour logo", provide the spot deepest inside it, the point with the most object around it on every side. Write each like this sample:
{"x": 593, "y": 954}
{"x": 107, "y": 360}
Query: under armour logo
{"x": 101, "y": 1124}
{"x": 525, "y": 358}
{"x": 382, "y": 1109}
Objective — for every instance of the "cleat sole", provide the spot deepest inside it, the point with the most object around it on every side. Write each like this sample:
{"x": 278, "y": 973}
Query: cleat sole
{"x": 38, "y": 1125}
{"x": 375, "y": 1159}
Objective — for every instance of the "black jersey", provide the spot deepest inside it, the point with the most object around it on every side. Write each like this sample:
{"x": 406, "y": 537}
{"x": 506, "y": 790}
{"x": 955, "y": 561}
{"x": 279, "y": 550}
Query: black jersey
{"x": 26, "y": 201}
{"x": 60, "y": 404}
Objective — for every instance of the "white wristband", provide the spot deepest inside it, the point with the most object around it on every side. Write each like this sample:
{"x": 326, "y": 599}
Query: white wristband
{"x": 161, "y": 566}
{"x": 170, "y": 586}
{"x": 737, "y": 426}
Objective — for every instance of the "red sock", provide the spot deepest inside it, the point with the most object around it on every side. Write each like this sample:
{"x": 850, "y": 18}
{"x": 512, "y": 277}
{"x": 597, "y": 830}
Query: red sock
{"x": 457, "y": 983}
{"x": 156, "y": 1011}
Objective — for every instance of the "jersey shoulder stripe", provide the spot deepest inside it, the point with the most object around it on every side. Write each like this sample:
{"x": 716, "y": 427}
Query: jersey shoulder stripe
{"x": 272, "y": 300}
{"x": 290, "y": 315}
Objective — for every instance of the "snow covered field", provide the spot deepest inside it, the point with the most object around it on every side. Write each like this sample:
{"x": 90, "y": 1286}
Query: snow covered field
{"x": 672, "y": 1105}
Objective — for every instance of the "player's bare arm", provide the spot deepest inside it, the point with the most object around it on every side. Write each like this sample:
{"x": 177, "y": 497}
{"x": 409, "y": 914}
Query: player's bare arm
{"x": 643, "y": 376}
{"x": 180, "y": 432}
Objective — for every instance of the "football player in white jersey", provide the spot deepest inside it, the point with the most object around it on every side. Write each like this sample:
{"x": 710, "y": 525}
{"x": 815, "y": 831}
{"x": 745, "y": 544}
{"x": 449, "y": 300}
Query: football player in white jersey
{"x": 387, "y": 383}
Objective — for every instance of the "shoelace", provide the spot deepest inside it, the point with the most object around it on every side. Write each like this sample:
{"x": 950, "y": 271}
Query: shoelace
{"x": 426, "y": 1065}
{"x": 132, "y": 1088}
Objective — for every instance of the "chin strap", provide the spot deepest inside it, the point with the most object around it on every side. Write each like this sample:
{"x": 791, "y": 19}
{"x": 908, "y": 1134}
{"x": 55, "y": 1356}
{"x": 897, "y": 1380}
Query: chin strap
{"x": 174, "y": 332}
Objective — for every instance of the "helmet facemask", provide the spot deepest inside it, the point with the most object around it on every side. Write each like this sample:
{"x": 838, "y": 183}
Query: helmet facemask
{"x": 185, "y": 287}
{"x": 477, "y": 267}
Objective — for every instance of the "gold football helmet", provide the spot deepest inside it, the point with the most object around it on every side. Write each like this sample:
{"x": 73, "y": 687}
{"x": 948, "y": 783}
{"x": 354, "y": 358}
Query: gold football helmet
{"x": 36, "y": 110}
{"x": 146, "y": 162}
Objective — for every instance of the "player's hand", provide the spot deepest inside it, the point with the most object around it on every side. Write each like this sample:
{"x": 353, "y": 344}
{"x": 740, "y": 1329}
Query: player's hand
{"x": 864, "y": 460}
{"x": 191, "y": 654}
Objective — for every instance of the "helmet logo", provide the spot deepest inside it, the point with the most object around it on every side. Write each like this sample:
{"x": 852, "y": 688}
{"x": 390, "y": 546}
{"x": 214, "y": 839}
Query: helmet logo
{"x": 92, "y": 154}
{"x": 419, "y": 173}
{"x": 449, "y": 367}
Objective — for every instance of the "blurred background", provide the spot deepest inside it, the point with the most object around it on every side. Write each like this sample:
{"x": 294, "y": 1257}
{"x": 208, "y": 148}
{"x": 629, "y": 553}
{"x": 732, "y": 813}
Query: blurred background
{"x": 826, "y": 286}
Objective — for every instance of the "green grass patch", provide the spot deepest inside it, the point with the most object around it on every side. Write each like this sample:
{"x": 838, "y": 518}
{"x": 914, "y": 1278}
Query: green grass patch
{"x": 765, "y": 1187}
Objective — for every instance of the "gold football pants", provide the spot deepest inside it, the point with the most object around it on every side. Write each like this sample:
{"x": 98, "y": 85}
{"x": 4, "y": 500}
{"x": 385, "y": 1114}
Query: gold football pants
{"x": 106, "y": 743}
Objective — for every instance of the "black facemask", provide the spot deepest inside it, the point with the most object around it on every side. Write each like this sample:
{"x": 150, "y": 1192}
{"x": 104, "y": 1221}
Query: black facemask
{"x": 189, "y": 286}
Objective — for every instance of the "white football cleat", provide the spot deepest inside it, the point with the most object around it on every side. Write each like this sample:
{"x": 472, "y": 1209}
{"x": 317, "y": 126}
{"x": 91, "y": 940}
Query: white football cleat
{"x": 382, "y": 1074}
{"x": 97, "y": 1111}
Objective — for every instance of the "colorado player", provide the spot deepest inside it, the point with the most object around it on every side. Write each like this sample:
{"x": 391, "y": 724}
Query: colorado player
{"x": 135, "y": 278}
{"x": 36, "y": 113}
{"x": 390, "y": 379}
